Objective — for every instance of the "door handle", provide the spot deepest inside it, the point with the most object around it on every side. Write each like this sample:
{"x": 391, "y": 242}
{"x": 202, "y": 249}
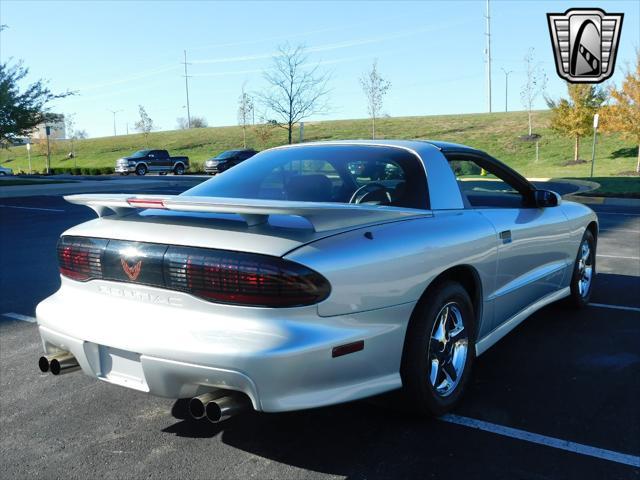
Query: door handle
{"x": 505, "y": 236}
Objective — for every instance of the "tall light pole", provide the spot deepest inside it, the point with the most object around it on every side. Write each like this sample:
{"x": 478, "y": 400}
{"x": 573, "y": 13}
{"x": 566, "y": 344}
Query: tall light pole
{"x": 186, "y": 86}
{"x": 488, "y": 55}
{"x": 114, "y": 120}
{"x": 506, "y": 88}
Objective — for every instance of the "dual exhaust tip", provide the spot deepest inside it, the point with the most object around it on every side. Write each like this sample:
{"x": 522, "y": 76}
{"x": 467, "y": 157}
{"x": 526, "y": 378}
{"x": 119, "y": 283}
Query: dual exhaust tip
{"x": 218, "y": 406}
{"x": 58, "y": 363}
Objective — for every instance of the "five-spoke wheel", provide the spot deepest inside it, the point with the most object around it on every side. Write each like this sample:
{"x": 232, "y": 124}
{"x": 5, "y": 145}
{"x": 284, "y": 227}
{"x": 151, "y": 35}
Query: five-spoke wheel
{"x": 439, "y": 348}
{"x": 584, "y": 270}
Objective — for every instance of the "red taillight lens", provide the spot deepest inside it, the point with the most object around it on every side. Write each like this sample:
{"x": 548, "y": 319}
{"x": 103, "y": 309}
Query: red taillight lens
{"x": 80, "y": 258}
{"x": 243, "y": 278}
{"x": 222, "y": 276}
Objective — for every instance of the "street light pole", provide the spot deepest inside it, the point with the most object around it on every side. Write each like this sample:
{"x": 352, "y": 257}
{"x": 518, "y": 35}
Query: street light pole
{"x": 506, "y": 88}
{"x": 186, "y": 85}
{"x": 114, "y": 120}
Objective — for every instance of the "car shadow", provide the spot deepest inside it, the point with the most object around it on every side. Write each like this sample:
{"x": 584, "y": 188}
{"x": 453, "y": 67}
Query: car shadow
{"x": 363, "y": 439}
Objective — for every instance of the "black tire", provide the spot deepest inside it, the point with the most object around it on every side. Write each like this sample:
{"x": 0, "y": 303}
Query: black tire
{"x": 178, "y": 169}
{"x": 141, "y": 170}
{"x": 416, "y": 369}
{"x": 578, "y": 298}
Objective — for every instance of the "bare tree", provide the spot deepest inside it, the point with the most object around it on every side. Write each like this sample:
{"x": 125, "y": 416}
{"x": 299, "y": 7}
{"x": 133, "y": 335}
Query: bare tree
{"x": 245, "y": 112}
{"x": 196, "y": 122}
{"x": 70, "y": 125}
{"x": 145, "y": 124}
{"x": 297, "y": 91}
{"x": 182, "y": 123}
{"x": 375, "y": 88}
{"x": 534, "y": 85}
{"x": 264, "y": 132}
{"x": 199, "y": 122}
{"x": 82, "y": 134}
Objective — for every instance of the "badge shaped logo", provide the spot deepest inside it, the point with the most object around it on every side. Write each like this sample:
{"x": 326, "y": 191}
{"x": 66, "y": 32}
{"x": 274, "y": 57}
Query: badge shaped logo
{"x": 585, "y": 43}
{"x": 132, "y": 272}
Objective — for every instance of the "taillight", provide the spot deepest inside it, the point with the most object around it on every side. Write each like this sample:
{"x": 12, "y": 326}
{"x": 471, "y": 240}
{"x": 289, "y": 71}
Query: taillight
{"x": 221, "y": 276}
{"x": 243, "y": 278}
{"x": 80, "y": 258}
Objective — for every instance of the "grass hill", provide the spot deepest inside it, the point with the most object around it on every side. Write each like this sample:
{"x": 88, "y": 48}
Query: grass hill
{"x": 496, "y": 133}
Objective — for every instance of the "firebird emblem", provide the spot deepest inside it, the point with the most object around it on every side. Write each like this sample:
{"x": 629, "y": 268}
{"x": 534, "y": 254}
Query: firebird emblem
{"x": 132, "y": 272}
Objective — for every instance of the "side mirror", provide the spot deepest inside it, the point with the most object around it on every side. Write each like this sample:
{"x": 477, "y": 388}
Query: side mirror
{"x": 546, "y": 198}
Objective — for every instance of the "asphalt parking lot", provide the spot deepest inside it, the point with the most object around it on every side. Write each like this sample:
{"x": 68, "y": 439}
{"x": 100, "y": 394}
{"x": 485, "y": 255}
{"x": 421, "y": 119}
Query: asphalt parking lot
{"x": 557, "y": 398}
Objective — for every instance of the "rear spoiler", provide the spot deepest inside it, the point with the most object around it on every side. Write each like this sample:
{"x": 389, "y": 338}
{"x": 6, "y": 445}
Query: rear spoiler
{"x": 322, "y": 216}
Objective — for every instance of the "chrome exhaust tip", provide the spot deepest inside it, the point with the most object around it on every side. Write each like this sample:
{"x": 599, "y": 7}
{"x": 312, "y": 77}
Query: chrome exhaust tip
{"x": 44, "y": 362}
{"x": 198, "y": 405}
{"x": 226, "y": 407}
{"x": 66, "y": 363}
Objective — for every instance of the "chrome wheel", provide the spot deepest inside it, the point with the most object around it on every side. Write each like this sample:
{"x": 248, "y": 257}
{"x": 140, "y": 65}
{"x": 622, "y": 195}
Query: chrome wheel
{"x": 585, "y": 269}
{"x": 448, "y": 348}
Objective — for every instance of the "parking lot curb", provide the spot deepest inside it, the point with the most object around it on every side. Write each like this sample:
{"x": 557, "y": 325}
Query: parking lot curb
{"x": 616, "y": 201}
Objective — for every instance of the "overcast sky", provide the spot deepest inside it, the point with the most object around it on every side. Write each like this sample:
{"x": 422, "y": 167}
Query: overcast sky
{"x": 118, "y": 55}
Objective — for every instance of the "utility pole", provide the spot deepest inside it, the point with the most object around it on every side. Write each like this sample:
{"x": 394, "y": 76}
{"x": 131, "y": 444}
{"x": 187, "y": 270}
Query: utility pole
{"x": 506, "y": 88}
{"x": 488, "y": 56}
{"x": 114, "y": 120}
{"x": 186, "y": 85}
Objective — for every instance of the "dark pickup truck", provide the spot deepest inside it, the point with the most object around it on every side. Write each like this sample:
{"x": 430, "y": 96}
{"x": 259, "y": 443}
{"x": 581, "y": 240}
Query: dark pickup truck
{"x": 144, "y": 161}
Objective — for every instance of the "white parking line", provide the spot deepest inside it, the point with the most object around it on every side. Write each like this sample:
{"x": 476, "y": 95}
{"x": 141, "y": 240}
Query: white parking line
{"x": 619, "y": 213}
{"x": 617, "y": 256}
{"x": 615, "y": 229}
{"x": 33, "y": 208}
{"x": 552, "y": 442}
{"x": 19, "y": 316}
{"x": 615, "y": 307}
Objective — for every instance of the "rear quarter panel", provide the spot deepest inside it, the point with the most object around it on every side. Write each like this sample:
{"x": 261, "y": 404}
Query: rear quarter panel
{"x": 400, "y": 261}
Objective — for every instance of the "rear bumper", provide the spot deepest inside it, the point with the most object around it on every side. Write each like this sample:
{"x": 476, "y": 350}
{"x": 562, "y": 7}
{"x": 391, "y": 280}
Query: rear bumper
{"x": 280, "y": 358}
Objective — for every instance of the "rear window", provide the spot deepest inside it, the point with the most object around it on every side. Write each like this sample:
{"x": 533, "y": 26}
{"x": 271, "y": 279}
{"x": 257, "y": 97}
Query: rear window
{"x": 325, "y": 173}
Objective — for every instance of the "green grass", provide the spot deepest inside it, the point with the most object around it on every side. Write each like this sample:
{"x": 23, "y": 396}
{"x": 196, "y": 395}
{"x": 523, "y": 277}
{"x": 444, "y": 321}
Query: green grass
{"x": 496, "y": 133}
{"x": 616, "y": 187}
{"x": 10, "y": 182}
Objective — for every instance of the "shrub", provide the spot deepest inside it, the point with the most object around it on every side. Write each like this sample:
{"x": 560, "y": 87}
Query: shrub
{"x": 76, "y": 171}
{"x": 85, "y": 171}
{"x": 107, "y": 170}
{"x": 196, "y": 167}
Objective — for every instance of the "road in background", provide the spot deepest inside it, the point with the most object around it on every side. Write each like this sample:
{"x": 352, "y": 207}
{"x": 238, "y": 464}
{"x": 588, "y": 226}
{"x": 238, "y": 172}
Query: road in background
{"x": 566, "y": 374}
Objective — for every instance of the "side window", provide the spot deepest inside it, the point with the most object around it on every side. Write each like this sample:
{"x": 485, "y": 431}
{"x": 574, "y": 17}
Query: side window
{"x": 482, "y": 188}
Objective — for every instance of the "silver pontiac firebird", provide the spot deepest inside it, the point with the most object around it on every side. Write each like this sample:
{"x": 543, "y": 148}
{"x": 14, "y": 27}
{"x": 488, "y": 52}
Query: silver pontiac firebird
{"x": 312, "y": 275}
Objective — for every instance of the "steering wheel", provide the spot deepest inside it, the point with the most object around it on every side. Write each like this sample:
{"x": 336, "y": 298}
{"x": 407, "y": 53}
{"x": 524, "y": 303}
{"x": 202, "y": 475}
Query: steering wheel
{"x": 368, "y": 189}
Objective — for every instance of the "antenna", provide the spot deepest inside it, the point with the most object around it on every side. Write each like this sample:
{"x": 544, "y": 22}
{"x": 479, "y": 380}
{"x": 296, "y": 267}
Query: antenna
{"x": 488, "y": 56}
{"x": 186, "y": 85}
